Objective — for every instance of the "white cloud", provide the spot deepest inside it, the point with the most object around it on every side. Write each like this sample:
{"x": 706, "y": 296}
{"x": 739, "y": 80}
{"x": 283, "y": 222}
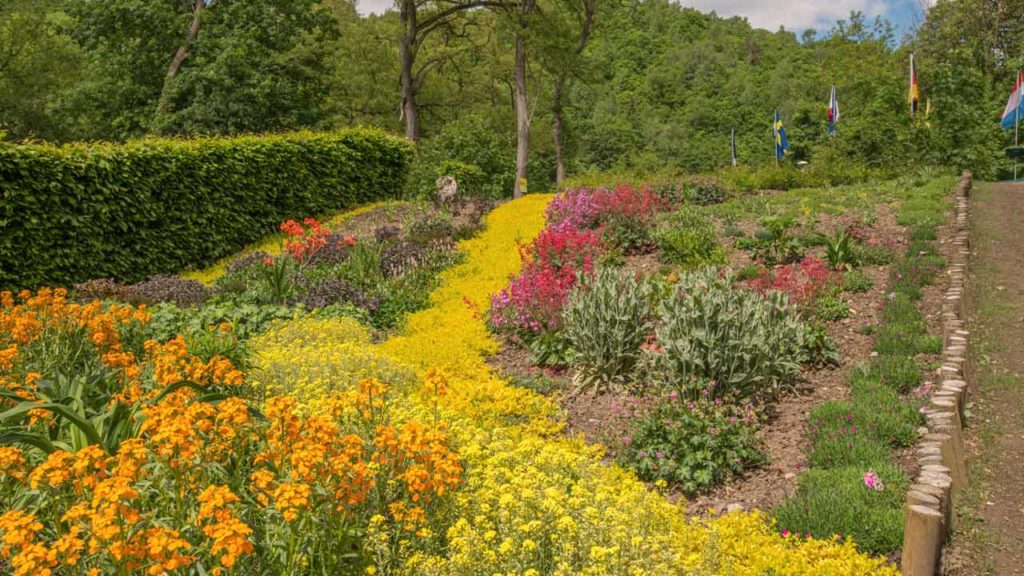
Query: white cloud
{"x": 793, "y": 14}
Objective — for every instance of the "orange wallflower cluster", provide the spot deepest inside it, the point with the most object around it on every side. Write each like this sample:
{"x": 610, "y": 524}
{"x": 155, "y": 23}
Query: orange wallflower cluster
{"x": 186, "y": 434}
{"x": 173, "y": 364}
{"x": 230, "y": 535}
{"x": 28, "y": 317}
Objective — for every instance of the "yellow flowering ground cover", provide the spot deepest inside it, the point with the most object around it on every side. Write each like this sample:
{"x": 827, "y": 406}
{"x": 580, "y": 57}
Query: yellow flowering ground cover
{"x": 271, "y": 245}
{"x": 534, "y": 501}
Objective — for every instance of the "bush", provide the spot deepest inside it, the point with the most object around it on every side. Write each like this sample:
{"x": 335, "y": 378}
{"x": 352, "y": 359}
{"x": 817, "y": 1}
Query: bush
{"x": 746, "y": 342}
{"x": 606, "y": 321}
{"x": 857, "y": 281}
{"x": 691, "y": 445}
{"x": 688, "y": 239}
{"x": 838, "y": 501}
{"x": 155, "y": 206}
{"x": 831, "y": 308}
{"x": 468, "y": 145}
{"x": 705, "y": 190}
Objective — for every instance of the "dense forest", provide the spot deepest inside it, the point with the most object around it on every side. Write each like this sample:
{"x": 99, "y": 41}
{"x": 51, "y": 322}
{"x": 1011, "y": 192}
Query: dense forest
{"x": 645, "y": 86}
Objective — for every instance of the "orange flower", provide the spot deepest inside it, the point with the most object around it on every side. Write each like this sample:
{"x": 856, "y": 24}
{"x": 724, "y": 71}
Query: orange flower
{"x": 12, "y": 463}
{"x": 54, "y": 471}
{"x": 230, "y": 540}
{"x": 164, "y": 548}
{"x": 290, "y": 498}
{"x": 214, "y": 502}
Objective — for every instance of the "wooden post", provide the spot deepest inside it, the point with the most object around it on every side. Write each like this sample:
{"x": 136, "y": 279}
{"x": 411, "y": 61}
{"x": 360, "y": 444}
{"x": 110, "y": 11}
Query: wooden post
{"x": 921, "y": 541}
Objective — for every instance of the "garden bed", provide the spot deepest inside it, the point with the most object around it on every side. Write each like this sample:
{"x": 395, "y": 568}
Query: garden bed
{"x": 782, "y": 435}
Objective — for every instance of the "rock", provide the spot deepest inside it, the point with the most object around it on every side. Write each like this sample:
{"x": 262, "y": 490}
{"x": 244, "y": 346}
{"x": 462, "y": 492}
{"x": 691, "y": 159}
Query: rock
{"x": 922, "y": 431}
{"x": 734, "y": 507}
{"x": 790, "y": 475}
{"x": 447, "y": 189}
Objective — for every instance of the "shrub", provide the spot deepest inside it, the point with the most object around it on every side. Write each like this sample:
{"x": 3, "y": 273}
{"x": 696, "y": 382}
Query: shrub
{"x": 691, "y": 445}
{"x": 874, "y": 254}
{"x": 746, "y": 342}
{"x": 687, "y": 238}
{"x": 705, "y": 190}
{"x": 430, "y": 228}
{"x": 831, "y": 308}
{"x": 131, "y": 211}
{"x": 180, "y": 291}
{"x": 606, "y": 320}
{"x": 803, "y": 283}
{"x": 775, "y": 243}
{"x": 839, "y": 501}
{"x": 857, "y": 281}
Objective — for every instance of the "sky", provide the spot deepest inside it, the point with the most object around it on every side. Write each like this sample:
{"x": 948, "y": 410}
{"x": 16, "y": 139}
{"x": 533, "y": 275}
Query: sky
{"x": 795, "y": 15}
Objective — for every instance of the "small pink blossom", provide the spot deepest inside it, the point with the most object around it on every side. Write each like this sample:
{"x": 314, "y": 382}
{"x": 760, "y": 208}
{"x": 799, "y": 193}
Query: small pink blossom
{"x": 872, "y": 481}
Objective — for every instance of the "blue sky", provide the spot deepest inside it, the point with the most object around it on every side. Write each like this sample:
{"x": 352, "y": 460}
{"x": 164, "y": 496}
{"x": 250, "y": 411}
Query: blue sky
{"x": 795, "y": 15}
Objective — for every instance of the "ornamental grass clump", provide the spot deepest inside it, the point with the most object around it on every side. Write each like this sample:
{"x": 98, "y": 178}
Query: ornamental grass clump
{"x": 606, "y": 321}
{"x": 749, "y": 344}
{"x": 687, "y": 238}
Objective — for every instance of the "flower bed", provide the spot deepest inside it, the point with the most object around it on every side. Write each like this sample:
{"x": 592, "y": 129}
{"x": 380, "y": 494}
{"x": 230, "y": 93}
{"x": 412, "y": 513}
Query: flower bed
{"x": 412, "y": 453}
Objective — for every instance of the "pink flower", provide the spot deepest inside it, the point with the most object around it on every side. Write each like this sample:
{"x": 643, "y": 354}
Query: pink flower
{"x": 872, "y": 481}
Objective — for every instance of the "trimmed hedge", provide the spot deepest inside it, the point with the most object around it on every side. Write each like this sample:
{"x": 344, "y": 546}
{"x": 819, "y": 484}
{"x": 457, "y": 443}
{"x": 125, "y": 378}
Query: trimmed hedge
{"x": 154, "y": 206}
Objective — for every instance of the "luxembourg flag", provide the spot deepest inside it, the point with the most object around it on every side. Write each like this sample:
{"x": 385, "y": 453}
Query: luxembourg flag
{"x": 1015, "y": 106}
{"x": 833, "y": 112}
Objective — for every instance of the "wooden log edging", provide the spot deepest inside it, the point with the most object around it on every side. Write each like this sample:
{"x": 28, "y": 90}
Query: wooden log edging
{"x": 942, "y": 474}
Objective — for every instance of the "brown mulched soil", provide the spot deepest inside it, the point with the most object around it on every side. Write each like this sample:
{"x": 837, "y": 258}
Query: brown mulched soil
{"x": 596, "y": 417}
{"x": 989, "y": 533}
{"x": 401, "y": 214}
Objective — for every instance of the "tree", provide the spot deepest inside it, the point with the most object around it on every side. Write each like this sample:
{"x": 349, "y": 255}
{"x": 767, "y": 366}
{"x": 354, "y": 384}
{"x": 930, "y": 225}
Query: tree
{"x": 420, "y": 19}
{"x": 574, "y": 20}
{"x": 37, "y": 62}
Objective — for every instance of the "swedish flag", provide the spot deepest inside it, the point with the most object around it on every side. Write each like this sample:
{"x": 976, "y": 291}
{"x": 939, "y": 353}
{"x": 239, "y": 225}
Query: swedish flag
{"x": 781, "y": 143}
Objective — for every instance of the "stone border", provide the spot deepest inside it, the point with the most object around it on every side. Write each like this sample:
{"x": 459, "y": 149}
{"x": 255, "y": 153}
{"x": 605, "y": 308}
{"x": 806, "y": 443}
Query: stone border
{"x": 942, "y": 476}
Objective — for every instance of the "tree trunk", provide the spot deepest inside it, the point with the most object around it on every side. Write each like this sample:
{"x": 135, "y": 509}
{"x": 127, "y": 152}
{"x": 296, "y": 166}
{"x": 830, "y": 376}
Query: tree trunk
{"x": 407, "y": 56}
{"x": 589, "y": 9}
{"x": 182, "y": 53}
{"x": 410, "y": 113}
{"x": 556, "y": 121}
{"x": 522, "y": 118}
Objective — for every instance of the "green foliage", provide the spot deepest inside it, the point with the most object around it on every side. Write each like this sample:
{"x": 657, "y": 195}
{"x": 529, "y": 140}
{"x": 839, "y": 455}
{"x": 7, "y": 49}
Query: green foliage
{"x": 687, "y": 238}
{"x": 876, "y": 255}
{"x": 840, "y": 251}
{"x": 256, "y": 66}
{"x": 857, "y": 281}
{"x": 606, "y": 321}
{"x": 900, "y": 373}
{"x": 830, "y": 308}
{"x": 748, "y": 343}
{"x": 470, "y": 141}
{"x": 705, "y": 190}
{"x": 837, "y": 501}
{"x": 693, "y": 446}
{"x": 775, "y": 243}
{"x": 537, "y": 382}
{"x": 156, "y": 206}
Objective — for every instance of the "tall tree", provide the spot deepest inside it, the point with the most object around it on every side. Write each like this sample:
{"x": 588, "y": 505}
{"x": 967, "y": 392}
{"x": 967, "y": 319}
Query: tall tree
{"x": 563, "y": 61}
{"x": 524, "y": 13}
{"x": 420, "y": 19}
{"x": 182, "y": 53}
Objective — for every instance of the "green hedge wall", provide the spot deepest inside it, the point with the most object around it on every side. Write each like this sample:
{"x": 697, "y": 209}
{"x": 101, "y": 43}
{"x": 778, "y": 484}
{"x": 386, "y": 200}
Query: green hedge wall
{"x": 130, "y": 211}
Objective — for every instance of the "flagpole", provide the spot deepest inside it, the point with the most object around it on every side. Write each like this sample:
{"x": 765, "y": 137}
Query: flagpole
{"x": 1016, "y": 132}
{"x": 775, "y": 137}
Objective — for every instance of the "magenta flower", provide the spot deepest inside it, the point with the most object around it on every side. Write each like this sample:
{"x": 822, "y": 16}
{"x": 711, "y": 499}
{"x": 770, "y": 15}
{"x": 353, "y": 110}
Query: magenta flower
{"x": 872, "y": 481}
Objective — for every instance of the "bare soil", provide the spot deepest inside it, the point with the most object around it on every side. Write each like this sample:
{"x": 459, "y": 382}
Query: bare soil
{"x": 989, "y": 536}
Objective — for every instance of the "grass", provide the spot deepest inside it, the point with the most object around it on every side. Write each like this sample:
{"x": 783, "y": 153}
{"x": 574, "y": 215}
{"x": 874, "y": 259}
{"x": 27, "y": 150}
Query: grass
{"x": 849, "y": 438}
{"x": 832, "y": 502}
